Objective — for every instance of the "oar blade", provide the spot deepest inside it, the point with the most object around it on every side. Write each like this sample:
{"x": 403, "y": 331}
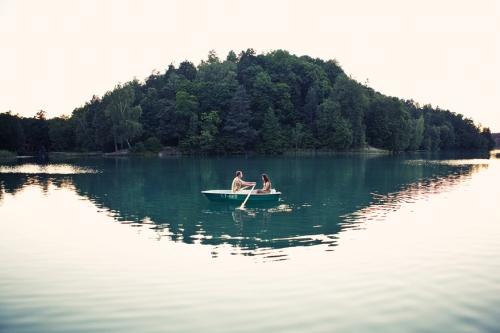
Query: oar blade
{"x": 244, "y": 202}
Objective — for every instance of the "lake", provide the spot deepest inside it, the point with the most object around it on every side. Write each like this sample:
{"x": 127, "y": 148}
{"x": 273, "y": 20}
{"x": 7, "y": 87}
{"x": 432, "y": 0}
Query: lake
{"x": 357, "y": 243}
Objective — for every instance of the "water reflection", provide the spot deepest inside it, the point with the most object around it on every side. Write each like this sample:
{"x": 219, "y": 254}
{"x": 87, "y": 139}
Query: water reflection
{"x": 251, "y": 211}
{"x": 60, "y": 168}
{"x": 321, "y": 197}
{"x": 13, "y": 184}
{"x": 422, "y": 189}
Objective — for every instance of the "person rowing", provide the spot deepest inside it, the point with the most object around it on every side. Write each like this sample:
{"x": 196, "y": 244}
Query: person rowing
{"x": 238, "y": 182}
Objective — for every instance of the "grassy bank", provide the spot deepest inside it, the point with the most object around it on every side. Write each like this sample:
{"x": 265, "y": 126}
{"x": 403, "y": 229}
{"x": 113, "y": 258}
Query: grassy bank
{"x": 369, "y": 150}
{"x": 6, "y": 154}
{"x": 74, "y": 154}
{"x": 173, "y": 151}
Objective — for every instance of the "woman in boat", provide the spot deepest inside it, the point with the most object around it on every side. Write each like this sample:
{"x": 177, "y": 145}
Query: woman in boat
{"x": 267, "y": 184}
{"x": 238, "y": 182}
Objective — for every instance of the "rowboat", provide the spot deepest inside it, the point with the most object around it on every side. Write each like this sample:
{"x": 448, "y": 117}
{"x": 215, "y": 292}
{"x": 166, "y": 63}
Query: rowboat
{"x": 240, "y": 196}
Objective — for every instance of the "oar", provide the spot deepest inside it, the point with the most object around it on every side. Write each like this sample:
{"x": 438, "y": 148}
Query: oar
{"x": 248, "y": 196}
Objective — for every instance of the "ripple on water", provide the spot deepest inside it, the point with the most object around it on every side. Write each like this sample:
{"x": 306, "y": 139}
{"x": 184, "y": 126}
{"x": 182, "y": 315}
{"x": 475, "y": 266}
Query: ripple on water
{"x": 402, "y": 264}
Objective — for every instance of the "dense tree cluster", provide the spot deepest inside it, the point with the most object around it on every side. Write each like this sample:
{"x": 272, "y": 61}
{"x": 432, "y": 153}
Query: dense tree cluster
{"x": 268, "y": 103}
{"x": 496, "y": 138}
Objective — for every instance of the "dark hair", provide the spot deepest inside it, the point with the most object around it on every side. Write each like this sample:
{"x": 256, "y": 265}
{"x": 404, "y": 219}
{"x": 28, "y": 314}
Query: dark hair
{"x": 238, "y": 173}
{"x": 266, "y": 178}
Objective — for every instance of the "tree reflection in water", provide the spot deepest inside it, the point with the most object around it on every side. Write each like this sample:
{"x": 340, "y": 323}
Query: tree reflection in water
{"x": 161, "y": 198}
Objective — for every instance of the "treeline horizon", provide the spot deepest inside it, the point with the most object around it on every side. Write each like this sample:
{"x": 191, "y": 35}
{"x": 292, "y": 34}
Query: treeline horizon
{"x": 268, "y": 103}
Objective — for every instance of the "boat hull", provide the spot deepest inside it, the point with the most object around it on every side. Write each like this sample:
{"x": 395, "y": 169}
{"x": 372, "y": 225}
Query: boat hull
{"x": 240, "y": 196}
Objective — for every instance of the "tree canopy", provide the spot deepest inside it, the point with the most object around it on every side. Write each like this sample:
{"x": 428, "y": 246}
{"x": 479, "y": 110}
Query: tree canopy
{"x": 269, "y": 103}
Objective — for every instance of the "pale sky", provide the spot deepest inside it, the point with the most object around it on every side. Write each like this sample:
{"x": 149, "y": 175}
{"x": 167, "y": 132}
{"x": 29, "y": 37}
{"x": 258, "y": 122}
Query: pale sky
{"x": 56, "y": 54}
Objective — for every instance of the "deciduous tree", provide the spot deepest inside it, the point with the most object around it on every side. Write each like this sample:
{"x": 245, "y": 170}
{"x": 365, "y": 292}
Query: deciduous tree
{"x": 353, "y": 105}
{"x": 11, "y": 132}
{"x": 123, "y": 115}
{"x": 334, "y": 131}
{"x": 186, "y": 107}
{"x": 62, "y": 133}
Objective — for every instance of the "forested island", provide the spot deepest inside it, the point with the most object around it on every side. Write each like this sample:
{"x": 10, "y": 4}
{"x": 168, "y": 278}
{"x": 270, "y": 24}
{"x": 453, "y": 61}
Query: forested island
{"x": 269, "y": 103}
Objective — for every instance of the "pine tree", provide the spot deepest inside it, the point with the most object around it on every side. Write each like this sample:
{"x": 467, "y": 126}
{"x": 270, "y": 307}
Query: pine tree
{"x": 237, "y": 124}
{"x": 272, "y": 137}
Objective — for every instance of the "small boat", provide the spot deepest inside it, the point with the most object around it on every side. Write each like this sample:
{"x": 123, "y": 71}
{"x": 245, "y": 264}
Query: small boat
{"x": 240, "y": 196}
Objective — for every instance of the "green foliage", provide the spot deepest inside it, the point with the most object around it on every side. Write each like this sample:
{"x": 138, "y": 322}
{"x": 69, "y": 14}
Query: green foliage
{"x": 334, "y": 131}
{"x": 187, "y": 71}
{"x": 11, "y": 132}
{"x": 388, "y": 124}
{"x": 62, "y": 133}
{"x": 209, "y": 140}
{"x": 203, "y": 135}
{"x": 186, "y": 107}
{"x": 310, "y": 108}
{"x": 271, "y": 137}
{"x": 36, "y": 131}
{"x": 332, "y": 70}
{"x": 237, "y": 126}
{"x": 488, "y": 140}
{"x": 153, "y": 145}
{"x": 417, "y": 133}
{"x": 232, "y": 57}
{"x": 285, "y": 110}
{"x": 216, "y": 96}
{"x": 263, "y": 92}
{"x": 172, "y": 85}
{"x": 297, "y": 136}
{"x": 210, "y": 122}
{"x": 446, "y": 135}
{"x": 353, "y": 105}
{"x": 85, "y": 125}
{"x": 139, "y": 148}
{"x": 6, "y": 154}
{"x": 150, "y": 107}
{"x": 103, "y": 137}
{"x": 217, "y": 71}
{"x": 220, "y": 105}
{"x": 124, "y": 116}
{"x": 431, "y": 134}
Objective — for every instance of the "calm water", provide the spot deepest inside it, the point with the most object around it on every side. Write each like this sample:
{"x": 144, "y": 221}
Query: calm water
{"x": 405, "y": 243}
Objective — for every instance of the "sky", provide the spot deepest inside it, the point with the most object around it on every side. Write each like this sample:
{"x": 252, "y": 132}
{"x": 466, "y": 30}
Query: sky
{"x": 56, "y": 54}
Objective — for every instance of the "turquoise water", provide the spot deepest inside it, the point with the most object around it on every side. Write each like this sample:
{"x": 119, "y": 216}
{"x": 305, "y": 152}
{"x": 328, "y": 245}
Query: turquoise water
{"x": 357, "y": 243}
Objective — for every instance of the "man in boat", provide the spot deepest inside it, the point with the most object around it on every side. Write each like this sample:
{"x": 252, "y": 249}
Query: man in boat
{"x": 238, "y": 182}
